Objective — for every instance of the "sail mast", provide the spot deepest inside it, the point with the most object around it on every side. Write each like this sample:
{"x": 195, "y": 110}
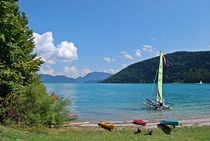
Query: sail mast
{"x": 160, "y": 80}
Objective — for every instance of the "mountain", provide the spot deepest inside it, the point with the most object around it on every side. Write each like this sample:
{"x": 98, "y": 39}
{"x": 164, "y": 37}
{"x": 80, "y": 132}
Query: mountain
{"x": 89, "y": 78}
{"x": 94, "y": 77}
{"x": 185, "y": 67}
{"x": 56, "y": 79}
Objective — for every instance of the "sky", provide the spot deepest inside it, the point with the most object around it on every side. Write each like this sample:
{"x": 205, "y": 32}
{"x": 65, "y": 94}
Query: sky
{"x": 76, "y": 37}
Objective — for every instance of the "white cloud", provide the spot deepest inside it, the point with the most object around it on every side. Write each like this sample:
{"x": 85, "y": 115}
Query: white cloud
{"x": 74, "y": 72}
{"x": 127, "y": 55}
{"x": 44, "y": 46}
{"x": 112, "y": 71}
{"x": 50, "y": 62}
{"x": 84, "y": 71}
{"x": 50, "y": 53}
{"x": 124, "y": 65}
{"x": 109, "y": 60}
{"x": 138, "y": 53}
{"x": 157, "y": 53}
{"x": 47, "y": 70}
{"x": 147, "y": 48}
{"x": 67, "y": 51}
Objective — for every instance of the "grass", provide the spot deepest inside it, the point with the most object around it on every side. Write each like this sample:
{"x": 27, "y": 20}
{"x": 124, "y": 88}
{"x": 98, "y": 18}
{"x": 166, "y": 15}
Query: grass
{"x": 95, "y": 134}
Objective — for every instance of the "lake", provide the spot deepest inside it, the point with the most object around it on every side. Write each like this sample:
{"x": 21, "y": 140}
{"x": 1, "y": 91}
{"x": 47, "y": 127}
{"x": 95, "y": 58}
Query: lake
{"x": 118, "y": 102}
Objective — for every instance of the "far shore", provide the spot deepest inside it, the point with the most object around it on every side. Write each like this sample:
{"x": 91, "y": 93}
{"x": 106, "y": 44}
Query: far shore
{"x": 150, "y": 123}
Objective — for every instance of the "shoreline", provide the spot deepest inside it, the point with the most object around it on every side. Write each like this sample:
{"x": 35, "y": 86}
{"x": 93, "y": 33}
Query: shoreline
{"x": 150, "y": 123}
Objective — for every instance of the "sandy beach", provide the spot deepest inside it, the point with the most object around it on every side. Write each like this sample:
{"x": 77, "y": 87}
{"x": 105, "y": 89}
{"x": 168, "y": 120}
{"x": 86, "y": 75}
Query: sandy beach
{"x": 150, "y": 123}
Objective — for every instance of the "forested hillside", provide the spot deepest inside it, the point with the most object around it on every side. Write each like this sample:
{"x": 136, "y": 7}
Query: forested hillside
{"x": 186, "y": 67}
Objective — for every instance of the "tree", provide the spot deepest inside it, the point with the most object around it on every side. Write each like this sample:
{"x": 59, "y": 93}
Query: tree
{"x": 18, "y": 64}
{"x": 185, "y": 67}
{"x": 23, "y": 98}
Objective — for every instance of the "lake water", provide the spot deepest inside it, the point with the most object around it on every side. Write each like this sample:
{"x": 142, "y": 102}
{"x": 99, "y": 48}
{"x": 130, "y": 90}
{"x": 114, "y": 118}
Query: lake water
{"x": 117, "y": 102}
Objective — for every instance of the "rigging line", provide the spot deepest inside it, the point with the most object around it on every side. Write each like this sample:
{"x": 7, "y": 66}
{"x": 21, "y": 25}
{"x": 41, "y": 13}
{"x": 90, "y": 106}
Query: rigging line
{"x": 154, "y": 83}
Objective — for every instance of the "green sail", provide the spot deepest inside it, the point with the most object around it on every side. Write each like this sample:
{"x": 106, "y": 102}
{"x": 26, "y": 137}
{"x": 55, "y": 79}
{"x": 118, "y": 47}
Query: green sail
{"x": 160, "y": 80}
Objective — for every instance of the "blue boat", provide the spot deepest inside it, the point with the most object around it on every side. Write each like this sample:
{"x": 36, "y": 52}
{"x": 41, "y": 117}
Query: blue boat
{"x": 169, "y": 122}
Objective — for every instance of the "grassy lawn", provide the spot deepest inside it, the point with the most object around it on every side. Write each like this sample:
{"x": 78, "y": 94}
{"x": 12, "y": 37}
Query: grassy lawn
{"x": 95, "y": 134}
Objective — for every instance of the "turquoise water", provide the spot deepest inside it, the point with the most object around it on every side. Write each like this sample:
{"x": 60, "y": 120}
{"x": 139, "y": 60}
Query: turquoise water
{"x": 95, "y": 102}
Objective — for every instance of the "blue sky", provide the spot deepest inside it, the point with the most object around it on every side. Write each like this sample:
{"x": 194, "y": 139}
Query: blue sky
{"x": 76, "y": 37}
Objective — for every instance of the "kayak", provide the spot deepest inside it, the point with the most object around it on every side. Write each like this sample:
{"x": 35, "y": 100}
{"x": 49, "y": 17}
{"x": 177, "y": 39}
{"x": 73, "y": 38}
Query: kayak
{"x": 169, "y": 122}
{"x": 139, "y": 122}
{"x": 106, "y": 125}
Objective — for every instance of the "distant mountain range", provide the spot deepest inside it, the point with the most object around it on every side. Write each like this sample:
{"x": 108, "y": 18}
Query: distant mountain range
{"x": 185, "y": 67}
{"x": 89, "y": 78}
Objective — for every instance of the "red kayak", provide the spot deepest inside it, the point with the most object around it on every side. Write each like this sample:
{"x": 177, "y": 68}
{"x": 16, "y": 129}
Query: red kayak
{"x": 139, "y": 122}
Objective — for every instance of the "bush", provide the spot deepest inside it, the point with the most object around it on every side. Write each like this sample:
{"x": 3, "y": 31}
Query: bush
{"x": 34, "y": 107}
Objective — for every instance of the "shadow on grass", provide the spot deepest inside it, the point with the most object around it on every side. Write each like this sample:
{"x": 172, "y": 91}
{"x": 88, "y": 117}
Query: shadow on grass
{"x": 166, "y": 129}
{"x": 138, "y": 131}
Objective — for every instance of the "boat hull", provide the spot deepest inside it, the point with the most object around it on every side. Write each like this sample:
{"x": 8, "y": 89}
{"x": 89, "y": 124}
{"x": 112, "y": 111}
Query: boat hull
{"x": 106, "y": 125}
{"x": 139, "y": 122}
{"x": 155, "y": 106}
{"x": 169, "y": 122}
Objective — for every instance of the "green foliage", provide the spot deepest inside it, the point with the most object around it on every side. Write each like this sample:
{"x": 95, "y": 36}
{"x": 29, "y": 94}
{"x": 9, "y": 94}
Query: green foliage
{"x": 34, "y": 107}
{"x": 185, "y": 67}
{"x": 43, "y": 109}
{"x": 58, "y": 112}
{"x": 23, "y": 99}
{"x": 18, "y": 64}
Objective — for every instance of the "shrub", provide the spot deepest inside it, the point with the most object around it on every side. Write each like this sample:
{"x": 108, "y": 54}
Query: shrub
{"x": 34, "y": 107}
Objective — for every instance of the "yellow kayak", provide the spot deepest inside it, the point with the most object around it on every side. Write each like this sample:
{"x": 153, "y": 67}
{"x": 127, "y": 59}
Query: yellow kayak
{"x": 106, "y": 125}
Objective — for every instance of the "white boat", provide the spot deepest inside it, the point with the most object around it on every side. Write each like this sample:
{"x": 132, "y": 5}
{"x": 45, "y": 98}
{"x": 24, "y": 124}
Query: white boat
{"x": 200, "y": 82}
{"x": 159, "y": 103}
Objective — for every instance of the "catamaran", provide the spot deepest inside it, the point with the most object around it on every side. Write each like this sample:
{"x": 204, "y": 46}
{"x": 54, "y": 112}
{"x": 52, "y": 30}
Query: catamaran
{"x": 159, "y": 103}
